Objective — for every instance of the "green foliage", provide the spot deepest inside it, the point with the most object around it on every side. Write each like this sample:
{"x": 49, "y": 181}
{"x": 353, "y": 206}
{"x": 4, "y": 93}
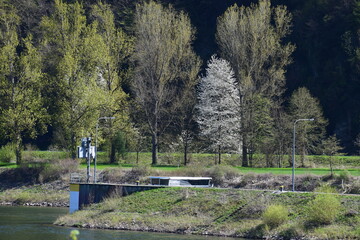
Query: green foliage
{"x": 323, "y": 209}
{"x": 325, "y": 189}
{"x": 331, "y": 147}
{"x": 7, "y": 153}
{"x": 308, "y": 133}
{"x": 207, "y": 211}
{"x": 74, "y": 51}
{"x": 165, "y": 64}
{"x": 21, "y": 111}
{"x": 345, "y": 176}
{"x": 74, "y": 234}
{"x": 275, "y": 215}
{"x": 250, "y": 38}
{"x": 120, "y": 144}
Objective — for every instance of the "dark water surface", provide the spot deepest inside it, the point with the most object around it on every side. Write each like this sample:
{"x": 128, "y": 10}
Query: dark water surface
{"x": 35, "y": 223}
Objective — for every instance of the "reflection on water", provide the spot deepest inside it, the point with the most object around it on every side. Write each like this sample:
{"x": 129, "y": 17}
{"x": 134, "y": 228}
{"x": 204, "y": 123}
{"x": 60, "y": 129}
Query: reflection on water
{"x": 34, "y": 223}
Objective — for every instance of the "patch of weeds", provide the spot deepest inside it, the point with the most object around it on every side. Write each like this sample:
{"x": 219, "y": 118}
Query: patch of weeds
{"x": 325, "y": 189}
{"x": 323, "y": 210}
{"x": 275, "y": 215}
{"x": 344, "y": 176}
{"x": 334, "y": 232}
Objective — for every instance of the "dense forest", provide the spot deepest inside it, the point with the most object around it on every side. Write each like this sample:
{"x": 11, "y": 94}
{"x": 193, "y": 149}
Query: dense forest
{"x": 65, "y": 65}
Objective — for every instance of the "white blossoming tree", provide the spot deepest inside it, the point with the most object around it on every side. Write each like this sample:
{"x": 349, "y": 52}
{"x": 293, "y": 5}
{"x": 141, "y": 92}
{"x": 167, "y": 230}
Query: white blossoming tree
{"x": 218, "y": 107}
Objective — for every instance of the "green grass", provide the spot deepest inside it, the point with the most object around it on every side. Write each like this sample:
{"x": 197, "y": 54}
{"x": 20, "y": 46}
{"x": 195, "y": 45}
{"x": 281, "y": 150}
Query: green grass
{"x": 228, "y": 212}
{"x": 171, "y": 161}
{"x": 287, "y": 171}
{"x": 8, "y": 165}
{"x": 33, "y": 194}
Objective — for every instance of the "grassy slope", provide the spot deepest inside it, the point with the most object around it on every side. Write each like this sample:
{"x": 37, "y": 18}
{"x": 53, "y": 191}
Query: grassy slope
{"x": 37, "y": 194}
{"x": 225, "y": 212}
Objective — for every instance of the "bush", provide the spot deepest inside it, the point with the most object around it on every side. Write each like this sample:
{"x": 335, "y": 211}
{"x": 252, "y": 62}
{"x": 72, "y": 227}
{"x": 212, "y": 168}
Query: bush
{"x": 275, "y": 215}
{"x": 344, "y": 176}
{"x": 325, "y": 189}
{"x": 323, "y": 209}
{"x": 119, "y": 175}
{"x": 55, "y": 169}
{"x": 221, "y": 173}
{"x": 355, "y": 187}
{"x": 7, "y": 153}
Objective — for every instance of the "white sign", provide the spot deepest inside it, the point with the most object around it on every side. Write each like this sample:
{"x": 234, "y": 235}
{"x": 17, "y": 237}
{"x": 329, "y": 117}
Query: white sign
{"x": 83, "y": 153}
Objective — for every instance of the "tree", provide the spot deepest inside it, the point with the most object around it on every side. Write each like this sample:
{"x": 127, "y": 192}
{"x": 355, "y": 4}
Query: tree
{"x": 21, "y": 112}
{"x": 113, "y": 70}
{"x": 218, "y": 106}
{"x": 309, "y": 135}
{"x": 357, "y": 143}
{"x": 164, "y": 64}
{"x": 72, "y": 53}
{"x": 331, "y": 147}
{"x": 251, "y": 39}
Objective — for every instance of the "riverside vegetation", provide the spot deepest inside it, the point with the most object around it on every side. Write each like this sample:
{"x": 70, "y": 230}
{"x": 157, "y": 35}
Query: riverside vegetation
{"x": 43, "y": 182}
{"x": 226, "y": 212}
{"x": 263, "y": 212}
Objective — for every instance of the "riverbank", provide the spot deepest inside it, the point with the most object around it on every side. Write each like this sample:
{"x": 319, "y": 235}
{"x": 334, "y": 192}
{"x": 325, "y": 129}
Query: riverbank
{"x": 225, "y": 212}
{"x": 52, "y": 194}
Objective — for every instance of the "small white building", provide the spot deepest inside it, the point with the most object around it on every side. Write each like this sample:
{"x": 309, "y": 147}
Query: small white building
{"x": 181, "y": 181}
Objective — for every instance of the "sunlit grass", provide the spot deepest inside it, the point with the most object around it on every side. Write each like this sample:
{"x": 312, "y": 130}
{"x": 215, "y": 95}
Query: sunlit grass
{"x": 280, "y": 171}
{"x": 8, "y": 165}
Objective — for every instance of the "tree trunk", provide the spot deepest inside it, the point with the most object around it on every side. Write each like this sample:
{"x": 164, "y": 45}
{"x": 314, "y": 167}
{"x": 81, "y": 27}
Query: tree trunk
{"x": 185, "y": 151}
{"x": 73, "y": 146}
{"x": 303, "y": 157}
{"x": 154, "y": 149}
{"x": 245, "y": 162}
{"x": 137, "y": 156}
{"x": 112, "y": 151}
{"x": 18, "y": 150}
{"x": 219, "y": 157}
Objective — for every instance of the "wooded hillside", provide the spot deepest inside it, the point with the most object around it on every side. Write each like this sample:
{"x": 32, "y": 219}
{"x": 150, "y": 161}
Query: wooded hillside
{"x": 65, "y": 64}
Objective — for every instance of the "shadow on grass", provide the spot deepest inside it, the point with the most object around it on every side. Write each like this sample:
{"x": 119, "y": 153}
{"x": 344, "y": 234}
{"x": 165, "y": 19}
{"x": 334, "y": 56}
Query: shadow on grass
{"x": 257, "y": 232}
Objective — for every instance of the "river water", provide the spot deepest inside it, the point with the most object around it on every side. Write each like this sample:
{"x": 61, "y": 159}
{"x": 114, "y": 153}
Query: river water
{"x": 35, "y": 223}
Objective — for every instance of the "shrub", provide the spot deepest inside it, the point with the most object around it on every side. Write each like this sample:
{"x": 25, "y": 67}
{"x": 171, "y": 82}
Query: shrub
{"x": 325, "y": 189}
{"x": 112, "y": 175}
{"x": 275, "y": 215}
{"x": 323, "y": 209}
{"x": 221, "y": 173}
{"x": 355, "y": 187}
{"x": 118, "y": 175}
{"x": 55, "y": 169}
{"x": 344, "y": 176}
{"x": 7, "y": 153}
{"x": 195, "y": 170}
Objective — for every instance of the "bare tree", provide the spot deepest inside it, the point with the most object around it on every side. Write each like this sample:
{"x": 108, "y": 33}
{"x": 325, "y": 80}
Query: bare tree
{"x": 165, "y": 63}
{"x": 251, "y": 39}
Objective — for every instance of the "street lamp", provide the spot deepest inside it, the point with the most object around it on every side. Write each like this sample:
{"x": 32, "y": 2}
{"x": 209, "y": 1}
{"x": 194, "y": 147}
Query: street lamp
{"x": 293, "y": 155}
{"x": 97, "y": 126}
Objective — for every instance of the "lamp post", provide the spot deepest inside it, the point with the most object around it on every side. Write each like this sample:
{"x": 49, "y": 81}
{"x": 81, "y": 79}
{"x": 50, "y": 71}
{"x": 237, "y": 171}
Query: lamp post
{"x": 293, "y": 155}
{"x": 97, "y": 126}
